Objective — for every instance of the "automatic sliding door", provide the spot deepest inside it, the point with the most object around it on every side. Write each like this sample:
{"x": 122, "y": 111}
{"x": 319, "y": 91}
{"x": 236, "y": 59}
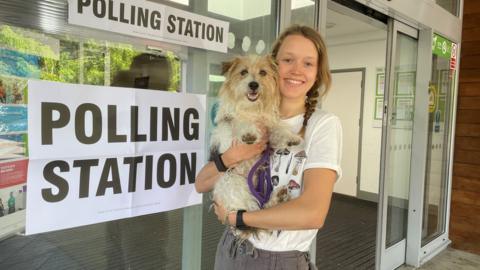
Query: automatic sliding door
{"x": 397, "y": 145}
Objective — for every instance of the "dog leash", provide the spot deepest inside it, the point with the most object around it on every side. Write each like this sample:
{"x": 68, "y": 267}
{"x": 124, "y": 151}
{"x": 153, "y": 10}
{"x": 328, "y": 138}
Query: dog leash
{"x": 264, "y": 179}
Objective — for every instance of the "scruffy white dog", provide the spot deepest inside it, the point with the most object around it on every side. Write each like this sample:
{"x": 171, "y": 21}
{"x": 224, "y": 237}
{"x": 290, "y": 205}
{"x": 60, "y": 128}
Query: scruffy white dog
{"x": 249, "y": 96}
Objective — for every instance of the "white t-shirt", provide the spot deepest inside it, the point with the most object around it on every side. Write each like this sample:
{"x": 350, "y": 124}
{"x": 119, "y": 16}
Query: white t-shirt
{"x": 322, "y": 149}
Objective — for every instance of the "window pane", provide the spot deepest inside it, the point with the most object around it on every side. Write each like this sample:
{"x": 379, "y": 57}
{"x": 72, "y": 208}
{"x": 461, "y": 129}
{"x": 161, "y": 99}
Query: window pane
{"x": 303, "y": 12}
{"x": 66, "y": 53}
{"x": 439, "y": 122}
{"x": 252, "y": 24}
{"x": 450, "y": 5}
{"x": 401, "y": 132}
{"x": 146, "y": 242}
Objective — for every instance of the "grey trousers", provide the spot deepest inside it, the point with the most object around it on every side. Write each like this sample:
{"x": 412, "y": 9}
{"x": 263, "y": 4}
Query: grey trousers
{"x": 233, "y": 254}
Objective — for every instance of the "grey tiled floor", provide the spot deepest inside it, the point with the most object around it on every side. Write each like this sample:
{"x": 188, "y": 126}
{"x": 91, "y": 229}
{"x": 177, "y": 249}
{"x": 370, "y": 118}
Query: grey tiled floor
{"x": 450, "y": 259}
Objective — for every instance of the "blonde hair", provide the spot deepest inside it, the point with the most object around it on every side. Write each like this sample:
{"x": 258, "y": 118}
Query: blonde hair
{"x": 323, "y": 79}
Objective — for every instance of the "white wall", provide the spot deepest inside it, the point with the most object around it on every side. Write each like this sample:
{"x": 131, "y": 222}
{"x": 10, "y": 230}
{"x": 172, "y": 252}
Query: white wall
{"x": 369, "y": 55}
{"x": 343, "y": 100}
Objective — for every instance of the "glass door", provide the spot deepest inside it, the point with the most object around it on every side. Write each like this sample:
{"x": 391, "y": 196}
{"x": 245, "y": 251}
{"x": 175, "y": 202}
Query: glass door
{"x": 440, "y": 91}
{"x": 397, "y": 134}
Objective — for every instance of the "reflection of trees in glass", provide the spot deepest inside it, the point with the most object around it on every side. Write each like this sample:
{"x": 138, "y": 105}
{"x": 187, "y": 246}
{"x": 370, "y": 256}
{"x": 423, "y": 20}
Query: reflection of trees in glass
{"x": 25, "y": 56}
{"x": 17, "y": 56}
{"x": 135, "y": 68}
{"x": 175, "y": 72}
{"x": 94, "y": 63}
{"x": 69, "y": 64}
{"x": 49, "y": 69}
{"x": 20, "y": 43}
{"x": 121, "y": 57}
{"x": 67, "y": 68}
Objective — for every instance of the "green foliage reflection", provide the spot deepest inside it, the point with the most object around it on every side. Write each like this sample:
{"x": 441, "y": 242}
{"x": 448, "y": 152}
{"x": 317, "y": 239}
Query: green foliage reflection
{"x": 64, "y": 60}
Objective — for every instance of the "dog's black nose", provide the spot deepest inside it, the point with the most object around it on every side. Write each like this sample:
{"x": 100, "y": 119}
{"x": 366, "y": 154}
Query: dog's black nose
{"x": 253, "y": 85}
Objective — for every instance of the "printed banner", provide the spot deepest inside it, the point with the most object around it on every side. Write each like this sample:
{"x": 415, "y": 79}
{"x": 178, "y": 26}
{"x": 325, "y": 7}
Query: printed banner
{"x": 13, "y": 173}
{"x": 150, "y": 20}
{"x": 13, "y": 119}
{"x": 13, "y": 147}
{"x": 105, "y": 153}
{"x": 12, "y": 207}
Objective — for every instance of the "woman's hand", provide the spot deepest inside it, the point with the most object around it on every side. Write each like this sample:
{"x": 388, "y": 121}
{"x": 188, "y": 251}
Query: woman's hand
{"x": 225, "y": 217}
{"x": 236, "y": 153}
{"x": 239, "y": 152}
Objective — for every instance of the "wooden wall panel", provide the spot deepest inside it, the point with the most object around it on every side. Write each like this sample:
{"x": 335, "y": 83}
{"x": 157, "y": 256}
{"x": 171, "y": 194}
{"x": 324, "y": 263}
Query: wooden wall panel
{"x": 468, "y": 198}
{"x": 467, "y": 143}
{"x": 467, "y": 157}
{"x": 463, "y": 183}
{"x": 466, "y": 170}
{"x": 470, "y": 48}
{"x": 470, "y": 62}
{"x": 465, "y": 204}
{"x": 468, "y": 116}
{"x": 469, "y": 130}
{"x": 471, "y": 7}
{"x": 471, "y": 103}
{"x": 470, "y": 75}
{"x": 471, "y": 20}
{"x": 471, "y": 34}
{"x": 469, "y": 89}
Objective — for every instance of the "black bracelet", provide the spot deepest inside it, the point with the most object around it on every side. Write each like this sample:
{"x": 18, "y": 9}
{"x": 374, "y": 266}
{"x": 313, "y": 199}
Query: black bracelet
{"x": 239, "y": 223}
{"x": 219, "y": 163}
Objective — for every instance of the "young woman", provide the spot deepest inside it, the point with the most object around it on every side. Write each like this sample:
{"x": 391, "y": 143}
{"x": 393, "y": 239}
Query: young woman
{"x": 304, "y": 78}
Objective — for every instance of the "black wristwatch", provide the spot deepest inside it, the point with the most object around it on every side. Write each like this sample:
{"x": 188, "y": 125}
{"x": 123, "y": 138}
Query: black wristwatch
{"x": 219, "y": 163}
{"x": 239, "y": 223}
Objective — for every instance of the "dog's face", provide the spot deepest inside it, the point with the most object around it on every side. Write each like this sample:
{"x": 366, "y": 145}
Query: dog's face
{"x": 251, "y": 81}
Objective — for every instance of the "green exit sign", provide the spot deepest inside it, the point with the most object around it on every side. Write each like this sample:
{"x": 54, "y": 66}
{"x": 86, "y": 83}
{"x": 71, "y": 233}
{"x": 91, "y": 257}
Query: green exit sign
{"x": 443, "y": 47}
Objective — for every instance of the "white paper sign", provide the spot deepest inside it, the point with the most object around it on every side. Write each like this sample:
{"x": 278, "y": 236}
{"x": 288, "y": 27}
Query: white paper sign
{"x": 104, "y": 153}
{"x": 150, "y": 20}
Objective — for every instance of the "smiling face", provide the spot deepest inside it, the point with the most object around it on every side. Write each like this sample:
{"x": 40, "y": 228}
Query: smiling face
{"x": 297, "y": 60}
{"x": 251, "y": 81}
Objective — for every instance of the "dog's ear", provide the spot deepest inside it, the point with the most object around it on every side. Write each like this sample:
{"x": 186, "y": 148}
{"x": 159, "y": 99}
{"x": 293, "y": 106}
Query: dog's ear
{"x": 230, "y": 65}
{"x": 273, "y": 62}
{"x": 226, "y": 66}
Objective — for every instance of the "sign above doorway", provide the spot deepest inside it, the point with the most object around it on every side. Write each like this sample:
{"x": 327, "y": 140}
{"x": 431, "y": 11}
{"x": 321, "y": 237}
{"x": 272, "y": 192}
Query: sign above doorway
{"x": 152, "y": 21}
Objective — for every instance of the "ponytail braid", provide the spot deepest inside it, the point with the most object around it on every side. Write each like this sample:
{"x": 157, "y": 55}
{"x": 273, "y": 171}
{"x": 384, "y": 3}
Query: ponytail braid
{"x": 310, "y": 105}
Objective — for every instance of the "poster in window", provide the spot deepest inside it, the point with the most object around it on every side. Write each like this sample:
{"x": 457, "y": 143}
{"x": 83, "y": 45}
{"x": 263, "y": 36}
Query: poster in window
{"x": 444, "y": 82}
{"x": 442, "y": 106}
{"x": 13, "y": 90}
{"x": 405, "y": 83}
{"x": 380, "y": 86}
{"x": 404, "y": 109}
{"x": 12, "y": 200}
{"x": 378, "y": 114}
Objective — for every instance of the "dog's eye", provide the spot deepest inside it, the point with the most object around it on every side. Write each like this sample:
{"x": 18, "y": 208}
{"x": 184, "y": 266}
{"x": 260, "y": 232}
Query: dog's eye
{"x": 244, "y": 72}
{"x": 263, "y": 73}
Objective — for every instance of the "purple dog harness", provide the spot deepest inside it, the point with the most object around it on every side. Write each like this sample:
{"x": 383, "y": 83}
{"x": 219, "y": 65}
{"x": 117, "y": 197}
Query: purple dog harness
{"x": 264, "y": 187}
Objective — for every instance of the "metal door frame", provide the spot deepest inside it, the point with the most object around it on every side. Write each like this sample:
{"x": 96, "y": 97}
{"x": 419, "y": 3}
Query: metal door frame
{"x": 394, "y": 256}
